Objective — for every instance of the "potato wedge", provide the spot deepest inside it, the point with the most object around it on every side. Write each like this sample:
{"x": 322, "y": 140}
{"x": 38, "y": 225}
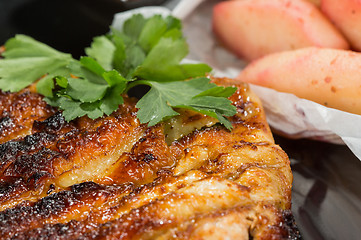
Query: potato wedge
{"x": 316, "y": 2}
{"x": 330, "y": 77}
{"x": 252, "y": 29}
{"x": 346, "y": 15}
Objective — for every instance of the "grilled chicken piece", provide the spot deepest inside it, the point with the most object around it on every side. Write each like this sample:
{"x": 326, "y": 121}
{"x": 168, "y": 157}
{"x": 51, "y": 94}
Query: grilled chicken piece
{"x": 60, "y": 154}
{"x": 113, "y": 178}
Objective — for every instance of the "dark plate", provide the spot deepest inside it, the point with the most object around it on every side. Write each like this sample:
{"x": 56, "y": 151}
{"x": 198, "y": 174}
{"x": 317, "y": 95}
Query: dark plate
{"x": 327, "y": 177}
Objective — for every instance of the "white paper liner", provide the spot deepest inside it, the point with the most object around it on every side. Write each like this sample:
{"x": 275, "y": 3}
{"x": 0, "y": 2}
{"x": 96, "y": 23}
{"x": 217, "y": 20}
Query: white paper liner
{"x": 287, "y": 114}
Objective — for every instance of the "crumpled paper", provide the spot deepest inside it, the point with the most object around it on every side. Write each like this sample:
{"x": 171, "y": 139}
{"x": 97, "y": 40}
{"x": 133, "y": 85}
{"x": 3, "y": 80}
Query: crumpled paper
{"x": 287, "y": 114}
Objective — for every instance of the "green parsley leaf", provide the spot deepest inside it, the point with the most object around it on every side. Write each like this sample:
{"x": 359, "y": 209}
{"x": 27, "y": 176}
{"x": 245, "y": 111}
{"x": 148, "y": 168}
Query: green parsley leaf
{"x": 216, "y": 107}
{"x": 218, "y": 91}
{"x": 71, "y": 109}
{"x": 152, "y": 31}
{"x": 128, "y": 54}
{"x": 113, "y": 98}
{"x": 87, "y": 86}
{"x": 92, "y": 109}
{"x": 168, "y": 51}
{"x": 156, "y": 112}
{"x": 27, "y": 60}
{"x": 85, "y": 91}
{"x": 173, "y": 33}
{"x": 114, "y": 78}
{"x": 102, "y": 50}
{"x": 74, "y": 109}
{"x": 173, "y": 72}
{"x": 135, "y": 57}
{"x": 134, "y": 25}
{"x": 173, "y": 23}
{"x": 82, "y": 70}
{"x": 165, "y": 96}
{"x": 92, "y": 65}
{"x": 45, "y": 86}
{"x": 120, "y": 55}
{"x": 61, "y": 81}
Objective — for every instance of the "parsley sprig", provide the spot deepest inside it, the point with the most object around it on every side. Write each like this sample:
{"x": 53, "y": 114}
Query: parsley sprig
{"x": 146, "y": 52}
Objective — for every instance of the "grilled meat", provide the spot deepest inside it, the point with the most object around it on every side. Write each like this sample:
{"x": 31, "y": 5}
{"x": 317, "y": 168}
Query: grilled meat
{"x": 18, "y": 111}
{"x": 114, "y": 178}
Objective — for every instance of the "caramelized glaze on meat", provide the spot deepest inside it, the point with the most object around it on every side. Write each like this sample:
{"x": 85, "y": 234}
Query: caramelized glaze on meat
{"x": 18, "y": 111}
{"x": 113, "y": 178}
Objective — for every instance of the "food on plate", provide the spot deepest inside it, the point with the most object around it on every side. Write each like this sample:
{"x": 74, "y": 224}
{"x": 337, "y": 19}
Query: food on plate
{"x": 252, "y": 29}
{"x": 327, "y": 76}
{"x": 114, "y": 177}
{"x": 346, "y": 15}
{"x": 193, "y": 158}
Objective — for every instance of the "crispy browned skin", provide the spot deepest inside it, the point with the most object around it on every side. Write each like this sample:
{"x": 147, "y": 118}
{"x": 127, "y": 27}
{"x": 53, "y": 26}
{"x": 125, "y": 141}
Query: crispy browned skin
{"x": 112, "y": 178}
{"x": 18, "y": 111}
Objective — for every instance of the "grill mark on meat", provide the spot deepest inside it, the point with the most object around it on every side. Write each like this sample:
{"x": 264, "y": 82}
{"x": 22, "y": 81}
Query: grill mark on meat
{"x": 200, "y": 197}
{"x": 58, "y": 207}
{"x": 112, "y": 178}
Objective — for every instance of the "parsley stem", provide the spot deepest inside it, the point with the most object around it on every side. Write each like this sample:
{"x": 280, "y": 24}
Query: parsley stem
{"x": 136, "y": 83}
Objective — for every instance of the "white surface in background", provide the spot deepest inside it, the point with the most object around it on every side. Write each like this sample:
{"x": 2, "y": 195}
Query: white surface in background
{"x": 185, "y": 7}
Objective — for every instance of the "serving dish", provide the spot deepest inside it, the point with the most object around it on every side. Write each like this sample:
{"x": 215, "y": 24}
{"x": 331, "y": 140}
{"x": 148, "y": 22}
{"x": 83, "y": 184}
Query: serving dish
{"x": 326, "y": 190}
